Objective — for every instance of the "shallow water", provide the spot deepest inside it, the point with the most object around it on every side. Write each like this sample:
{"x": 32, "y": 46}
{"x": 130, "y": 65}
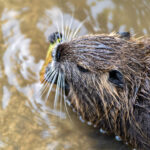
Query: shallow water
{"x": 26, "y": 121}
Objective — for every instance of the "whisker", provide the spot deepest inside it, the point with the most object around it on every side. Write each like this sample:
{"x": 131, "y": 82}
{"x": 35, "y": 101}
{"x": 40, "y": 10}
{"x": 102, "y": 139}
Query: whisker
{"x": 51, "y": 85}
{"x": 44, "y": 86}
{"x": 79, "y": 27}
{"x": 50, "y": 76}
{"x": 71, "y": 34}
{"x": 65, "y": 31}
{"x": 58, "y": 30}
{"x": 57, "y": 27}
{"x": 44, "y": 89}
{"x": 62, "y": 25}
{"x": 69, "y": 28}
{"x": 65, "y": 100}
{"x": 43, "y": 82}
{"x": 57, "y": 91}
{"x": 61, "y": 87}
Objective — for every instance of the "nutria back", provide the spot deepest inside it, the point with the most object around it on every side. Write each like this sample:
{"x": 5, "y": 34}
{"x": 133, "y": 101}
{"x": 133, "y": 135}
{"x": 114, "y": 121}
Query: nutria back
{"x": 107, "y": 79}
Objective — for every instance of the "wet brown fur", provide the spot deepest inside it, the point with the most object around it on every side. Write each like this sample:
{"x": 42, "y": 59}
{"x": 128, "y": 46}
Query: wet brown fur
{"x": 124, "y": 112}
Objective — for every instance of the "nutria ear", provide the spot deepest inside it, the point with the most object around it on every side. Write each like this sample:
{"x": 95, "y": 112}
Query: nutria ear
{"x": 54, "y": 37}
{"x": 124, "y": 35}
{"x": 116, "y": 78}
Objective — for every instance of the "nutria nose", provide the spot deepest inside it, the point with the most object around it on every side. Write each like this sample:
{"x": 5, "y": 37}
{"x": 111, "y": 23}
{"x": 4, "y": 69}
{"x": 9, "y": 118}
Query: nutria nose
{"x": 54, "y": 37}
{"x": 56, "y": 53}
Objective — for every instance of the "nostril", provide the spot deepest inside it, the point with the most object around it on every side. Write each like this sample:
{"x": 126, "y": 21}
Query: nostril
{"x": 56, "y": 53}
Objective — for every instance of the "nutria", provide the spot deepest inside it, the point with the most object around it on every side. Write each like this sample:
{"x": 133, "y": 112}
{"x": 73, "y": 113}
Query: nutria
{"x": 107, "y": 80}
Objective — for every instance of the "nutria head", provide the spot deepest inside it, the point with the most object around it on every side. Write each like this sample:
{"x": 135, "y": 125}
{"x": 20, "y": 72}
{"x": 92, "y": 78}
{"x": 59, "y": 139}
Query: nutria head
{"x": 107, "y": 81}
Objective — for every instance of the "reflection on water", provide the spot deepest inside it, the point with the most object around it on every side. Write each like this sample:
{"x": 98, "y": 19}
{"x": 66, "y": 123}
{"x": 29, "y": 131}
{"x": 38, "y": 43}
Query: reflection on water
{"x": 26, "y": 121}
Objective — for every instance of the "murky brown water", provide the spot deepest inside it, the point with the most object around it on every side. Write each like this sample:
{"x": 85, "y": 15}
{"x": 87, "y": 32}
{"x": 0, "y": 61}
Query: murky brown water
{"x": 26, "y": 122}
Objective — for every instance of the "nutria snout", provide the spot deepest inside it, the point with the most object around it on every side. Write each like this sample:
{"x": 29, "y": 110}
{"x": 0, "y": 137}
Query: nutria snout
{"x": 107, "y": 78}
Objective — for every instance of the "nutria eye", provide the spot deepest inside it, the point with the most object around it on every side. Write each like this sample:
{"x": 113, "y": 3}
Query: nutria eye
{"x": 82, "y": 69}
{"x": 116, "y": 78}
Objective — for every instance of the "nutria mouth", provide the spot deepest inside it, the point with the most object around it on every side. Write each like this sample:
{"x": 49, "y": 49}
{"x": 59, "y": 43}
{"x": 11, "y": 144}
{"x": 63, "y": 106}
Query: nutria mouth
{"x": 107, "y": 80}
